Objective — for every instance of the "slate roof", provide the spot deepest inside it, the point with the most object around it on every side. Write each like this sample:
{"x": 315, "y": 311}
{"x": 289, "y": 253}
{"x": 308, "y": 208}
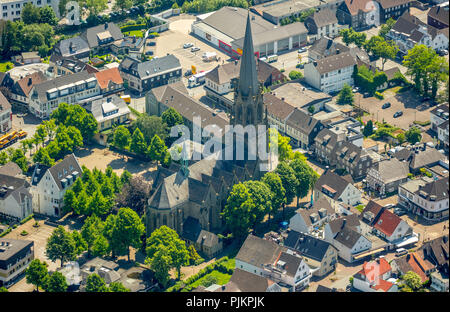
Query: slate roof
{"x": 420, "y": 158}
{"x": 440, "y": 14}
{"x": 292, "y": 262}
{"x": 78, "y": 44}
{"x": 327, "y": 138}
{"x": 392, "y": 170}
{"x": 90, "y": 34}
{"x": 331, "y": 179}
{"x": 71, "y": 63}
{"x": 348, "y": 237}
{"x": 4, "y": 103}
{"x": 324, "y": 17}
{"x": 373, "y": 208}
{"x": 436, "y": 189}
{"x": 10, "y": 169}
{"x": 320, "y": 206}
{"x": 277, "y": 107}
{"x": 97, "y": 108}
{"x": 308, "y": 246}
{"x": 258, "y": 252}
{"x": 154, "y": 67}
{"x": 302, "y": 121}
{"x": 350, "y": 221}
{"x": 334, "y": 62}
{"x": 437, "y": 251}
{"x": 62, "y": 169}
{"x": 243, "y": 281}
{"x": 14, "y": 186}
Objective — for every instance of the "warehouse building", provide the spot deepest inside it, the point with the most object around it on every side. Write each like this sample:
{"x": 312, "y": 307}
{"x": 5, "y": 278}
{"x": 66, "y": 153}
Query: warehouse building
{"x": 224, "y": 29}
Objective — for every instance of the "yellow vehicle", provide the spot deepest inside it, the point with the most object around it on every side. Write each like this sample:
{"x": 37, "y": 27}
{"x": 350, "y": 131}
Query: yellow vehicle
{"x": 11, "y": 138}
{"x": 126, "y": 98}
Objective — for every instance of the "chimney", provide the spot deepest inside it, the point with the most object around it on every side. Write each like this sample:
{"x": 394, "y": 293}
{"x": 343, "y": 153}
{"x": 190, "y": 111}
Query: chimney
{"x": 338, "y": 51}
{"x": 29, "y": 81}
{"x": 315, "y": 63}
{"x": 106, "y": 25}
{"x": 344, "y": 222}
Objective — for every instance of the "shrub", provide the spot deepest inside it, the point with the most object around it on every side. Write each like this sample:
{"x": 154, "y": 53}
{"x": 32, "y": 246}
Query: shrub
{"x": 127, "y": 28}
{"x": 24, "y": 233}
{"x": 293, "y": 75}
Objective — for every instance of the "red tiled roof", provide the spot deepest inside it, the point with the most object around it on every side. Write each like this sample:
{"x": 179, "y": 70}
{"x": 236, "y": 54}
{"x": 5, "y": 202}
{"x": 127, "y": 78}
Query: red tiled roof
{"x": 416, "y": 267}
{"x": 380, "y": 265}
{"x": 383, "y": 285}
{"x": 354, "y": 6}
{"x": 27, "y": 83}
{"x": 107, "y": 75}
{"x": 387, "y": 222}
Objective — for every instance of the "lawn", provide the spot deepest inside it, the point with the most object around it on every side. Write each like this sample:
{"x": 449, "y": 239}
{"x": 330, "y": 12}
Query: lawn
{"x": 4, "y": 66}
{"x": 137, "y": 33}
{"x": 222, "y": 279}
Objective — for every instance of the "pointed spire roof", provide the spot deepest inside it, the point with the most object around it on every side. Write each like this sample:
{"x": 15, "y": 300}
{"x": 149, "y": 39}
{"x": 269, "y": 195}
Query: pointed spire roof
{"x": 248, "y": 78}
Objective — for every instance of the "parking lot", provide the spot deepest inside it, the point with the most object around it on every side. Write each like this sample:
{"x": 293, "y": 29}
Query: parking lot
{"x": 408, "y": 102}
{"x": 172, "y": 41}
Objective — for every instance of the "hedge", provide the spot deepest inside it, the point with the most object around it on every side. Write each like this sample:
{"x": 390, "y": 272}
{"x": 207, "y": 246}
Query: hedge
{"x": 378, "y": 95}
{"x": 133, "y": 27}
{"x": 27, "y": 219}
{"x": 5, "y": 232}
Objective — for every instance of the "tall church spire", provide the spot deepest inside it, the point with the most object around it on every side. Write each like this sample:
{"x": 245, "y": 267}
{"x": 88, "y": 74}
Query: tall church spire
{"x": 248, "y": 79}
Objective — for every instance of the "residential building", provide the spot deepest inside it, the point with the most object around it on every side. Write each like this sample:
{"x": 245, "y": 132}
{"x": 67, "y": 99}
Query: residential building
{"x": 5, "y": 114}
{"x": 358, "y": 14}
{"x": 312, "y": 217}
{"x": 130, "y": 46}
{"x": 438, "y": 115}
{"x": 385, "y": 176}
{"x": 102, "y": 37}
{"x": 224, "y": 29}
{"x": 375, "y": 276}
{"x": 439, "y": 282}
{"x": 420, "y": 156}
{"x": 26, "y": 58}
{"x": 302, "y": 96}
{"x": 77, "y": 88}
{"x": 438, "y": 16}
{"x": 336, "y": 189}
{"x": 435, "y": 252}
{"x": 322, "y": 24}
{"x": 324, "y": 47}
{"x": 60, "y": 66}
{"x": 392, "y": 9}
{"x": 205, "y": 242}
{"x": 21, "y": 89}
{"x": 354, "y": 159}
{"x": 218, "y": 84}
{"x": 243, "y": 281}
{"x": 443, "y": 135}
{"x": 428, "y": 199}
{"x": 345, "y": 234}
{"x": 141, "y": 77}
{"x": 331, "y": 73}
{"x": 384, "y": 223}
{"x": 409, "y": 31}
{"x": 11, "y": 10}
{"x": 109, "y": 81}
{"x": 412, "y": 262}
{"x": 302, "y": 128}
{"x": 75, "y": 47}
{"x": 278, "y": 111}
{"x": 15, "y": 198}
{"x": 108, "y": 112}
{"x": 320, "y": 255}
{"x": 278, "y": 263}
{"x": 49, "y": 184}
{"x": 15, "y": 256}
{"x": 11, "y": 169}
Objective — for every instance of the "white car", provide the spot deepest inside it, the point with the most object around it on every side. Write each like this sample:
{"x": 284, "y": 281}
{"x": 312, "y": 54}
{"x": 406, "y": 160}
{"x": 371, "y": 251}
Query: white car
{"x": 195, "y": 49}
{"x": 187, "y": 45}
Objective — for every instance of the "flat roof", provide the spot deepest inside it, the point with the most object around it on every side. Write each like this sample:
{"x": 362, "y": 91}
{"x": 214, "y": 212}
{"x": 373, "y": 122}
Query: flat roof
{"x": 279, "y": 8}
{"x": 9, "y": 247}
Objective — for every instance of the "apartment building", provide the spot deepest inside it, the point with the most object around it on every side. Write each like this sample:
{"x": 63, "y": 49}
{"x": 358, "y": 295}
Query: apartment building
{"x": 5, "y": 114}
{"x": 15, "y": 256}
{"x": 11, "y": 10}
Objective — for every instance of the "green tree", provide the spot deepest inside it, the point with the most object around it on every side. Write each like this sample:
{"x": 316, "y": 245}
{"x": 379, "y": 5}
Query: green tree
{"x": 80, "y": 243}
{"x": 70, "y": 201}
{"x": 306, "y": 177}
{"x": 61, "y": 246}
{"x": 236, "y": 213}
{"x": 3, "y": 289}
{"x": 96, "y": 6}
{"x": 385, "y": 28}
{"x": 346, "y": 35}
{"x": 42, "y": 157}
{"x": 37, "y": 273}
{"x": 412, "y": 280}
{"x": 262, "y": 199}
{"x": 100, "y": 247}
{"x": 193, "y": 255}
{"x": 345, "y": 96}
{"x": 121, "y": 137}
{"x": 164, "y": 238}
{"x": 98, "y": 204}
{"x": 125, "y": 177}
{"x": 288, "y": 179}
{"x": 123, "y": 4}
{"x": 311, "y": 109}
{"x": 273, "y": 181}
{"x": 77, "y": 116}
{"x": 47, "y": 16}
{"x": 171, "y": 117}
{"x": 128, "y": 229}
{"x": 151, "y": 126}
{"x": 3, "y": 158}
{"x": 117, "y": 287}
{"x": 160, "y": 263}
{"x": 368, "y": 129}
{"x": 294, "y": 75}
{"x": 91, "y": 230}
{"x": 401, "y": 138}
{"x": 95, "y": 283}
{"x": 413, "y": 135}
{"x": 19, "y": 158}
{"x": 30, "y": 14}
{"x": 157, "y": 150}
{"x": 138, "y": 144}
{"x": 284, "y": 148}
{"x": 56, "y": 282}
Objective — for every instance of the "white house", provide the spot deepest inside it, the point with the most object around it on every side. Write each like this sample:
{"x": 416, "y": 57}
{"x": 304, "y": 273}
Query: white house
{"x": 5, "y": 114}
{"x": 375, "y": 276}
{"x": 50, "y": 184}
{"x": 336, "y": 190}
{"x": 278, "y": 263}
{"x": 11, "y": 10}
{"x": 15, "y": 197}
{"x": 310, "y": 217}
{"x": 438, "y": 115}
{"x": 331, "y": 73}
{"x": 345, "y": 235}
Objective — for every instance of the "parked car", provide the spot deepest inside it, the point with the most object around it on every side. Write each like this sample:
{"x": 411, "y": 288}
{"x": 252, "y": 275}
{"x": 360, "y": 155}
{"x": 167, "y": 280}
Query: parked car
{"x": 389, "y": 206}
{"x": 151, "y": 43}
{"x": 195, "y": 49}
{"x": 398, "y": 114}
{"x": 386, "y": 105}
{"x": 400, "y": 252}
{"x": 302, "y": 50}
{"x": 187, "y": 73}
{"x": 188, "y": 45}
{"x": 399, "y": 212}
{"x": 149, "y": 53}
{"x": 355, "y": 89}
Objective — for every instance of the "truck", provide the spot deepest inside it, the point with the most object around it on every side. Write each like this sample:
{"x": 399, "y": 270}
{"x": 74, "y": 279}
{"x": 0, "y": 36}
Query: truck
{"x": 272, "y": 58}
{"x": 11, "y": 138}
{"x": 209, "y": 56}
{"x": 197, "y": 79}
